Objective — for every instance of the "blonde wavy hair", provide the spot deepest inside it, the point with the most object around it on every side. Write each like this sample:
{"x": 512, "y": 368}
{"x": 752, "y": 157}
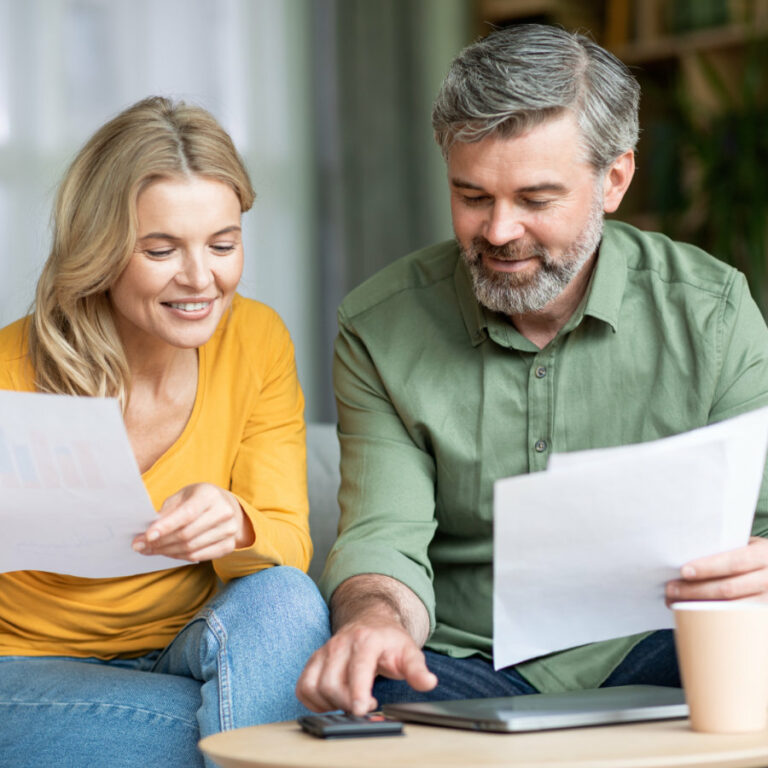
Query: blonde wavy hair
{"x": 74, "y": 346}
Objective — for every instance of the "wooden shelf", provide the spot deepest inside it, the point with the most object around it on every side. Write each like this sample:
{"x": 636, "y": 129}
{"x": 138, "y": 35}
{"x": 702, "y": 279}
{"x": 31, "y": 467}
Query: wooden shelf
{"x": 678, "y": 45}
{"x": 572, "y": 15}
{"x": 498, "y": 10}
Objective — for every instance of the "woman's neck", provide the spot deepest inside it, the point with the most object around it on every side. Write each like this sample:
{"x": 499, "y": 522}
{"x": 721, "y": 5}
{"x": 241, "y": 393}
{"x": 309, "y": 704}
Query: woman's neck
{"x": 160, "y": 368}
{"x": 161, "y": 398}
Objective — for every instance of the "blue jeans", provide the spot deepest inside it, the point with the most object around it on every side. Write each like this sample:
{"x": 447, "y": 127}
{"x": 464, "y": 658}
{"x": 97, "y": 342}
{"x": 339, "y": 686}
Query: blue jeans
{"x": 653, "y": 661}
{"x": 235, "y": 664}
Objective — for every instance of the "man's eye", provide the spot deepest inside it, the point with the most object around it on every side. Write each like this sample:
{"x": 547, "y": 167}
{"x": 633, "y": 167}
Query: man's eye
{"x": 477, "y": 200}
{"x": 538, "y": 203}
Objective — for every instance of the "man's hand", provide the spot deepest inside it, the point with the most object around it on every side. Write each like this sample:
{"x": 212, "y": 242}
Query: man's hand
{"x": 199, "y": 522}
{"x": 340, "y": 675}
{"x": 380, "y": 626}
{"x": 733, "y": 575}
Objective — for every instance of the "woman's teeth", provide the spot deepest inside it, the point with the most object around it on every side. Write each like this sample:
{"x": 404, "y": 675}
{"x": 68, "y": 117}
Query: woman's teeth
{"x": 191, "y": 306}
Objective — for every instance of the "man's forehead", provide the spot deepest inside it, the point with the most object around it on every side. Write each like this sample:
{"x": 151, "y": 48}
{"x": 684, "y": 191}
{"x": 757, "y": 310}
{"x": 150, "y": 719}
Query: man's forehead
{"x": 564, "y": 125}
{"x": 542, "y": 157}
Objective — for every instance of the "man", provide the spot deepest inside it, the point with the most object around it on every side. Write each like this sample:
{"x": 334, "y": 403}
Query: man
{"x": 540, "y": 329}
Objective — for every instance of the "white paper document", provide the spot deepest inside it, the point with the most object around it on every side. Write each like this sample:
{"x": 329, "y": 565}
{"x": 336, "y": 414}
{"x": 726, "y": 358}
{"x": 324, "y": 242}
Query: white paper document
{"x": 583, "y": 550}
{"x": 71, "y": 496}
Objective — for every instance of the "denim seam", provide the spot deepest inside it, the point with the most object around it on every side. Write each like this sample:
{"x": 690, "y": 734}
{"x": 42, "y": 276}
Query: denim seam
{"x": 225, "y": 690}
{"x": 72, "y": 704}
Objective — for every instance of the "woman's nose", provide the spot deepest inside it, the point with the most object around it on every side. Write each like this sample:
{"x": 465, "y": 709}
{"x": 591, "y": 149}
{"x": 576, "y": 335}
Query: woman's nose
{"x": 195, "y": 272}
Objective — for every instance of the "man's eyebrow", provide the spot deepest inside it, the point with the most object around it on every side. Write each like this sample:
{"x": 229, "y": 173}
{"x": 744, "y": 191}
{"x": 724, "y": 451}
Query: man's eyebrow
{"x": 166, "y": 236}
{"x": 457, "y": 182}
{"x": 546, "y": 186}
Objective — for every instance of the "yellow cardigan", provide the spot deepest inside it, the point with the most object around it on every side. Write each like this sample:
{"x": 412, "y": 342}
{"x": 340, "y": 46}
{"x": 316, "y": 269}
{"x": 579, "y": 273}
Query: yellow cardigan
{"x": 246, "y": 434}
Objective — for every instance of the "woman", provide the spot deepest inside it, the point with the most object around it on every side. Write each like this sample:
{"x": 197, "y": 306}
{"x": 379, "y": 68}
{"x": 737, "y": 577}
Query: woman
{"x": 137, "y": 301}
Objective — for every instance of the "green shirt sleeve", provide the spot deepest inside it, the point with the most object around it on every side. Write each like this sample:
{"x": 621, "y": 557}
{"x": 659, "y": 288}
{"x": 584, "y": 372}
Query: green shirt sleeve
{"x": 387, "y": 495}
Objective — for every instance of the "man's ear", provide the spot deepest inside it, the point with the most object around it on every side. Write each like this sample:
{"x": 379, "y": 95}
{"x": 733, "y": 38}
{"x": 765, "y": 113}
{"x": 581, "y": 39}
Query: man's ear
{"x": 616, "y": 180}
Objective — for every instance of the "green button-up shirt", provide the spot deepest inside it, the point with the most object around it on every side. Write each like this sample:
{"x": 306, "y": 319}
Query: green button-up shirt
{"x": 438, "y": 398}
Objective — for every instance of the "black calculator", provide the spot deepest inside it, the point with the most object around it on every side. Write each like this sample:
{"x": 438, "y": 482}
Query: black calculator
{"x": 343, "y": 726}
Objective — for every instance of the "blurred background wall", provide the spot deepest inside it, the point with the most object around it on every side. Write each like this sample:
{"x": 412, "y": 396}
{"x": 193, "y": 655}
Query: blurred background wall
{"x": 329, "y": 103}
{"x": 327, "y": 100}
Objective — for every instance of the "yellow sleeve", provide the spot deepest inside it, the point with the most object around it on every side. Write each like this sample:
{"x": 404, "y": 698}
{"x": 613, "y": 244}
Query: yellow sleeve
{"x": 269, "y": 475}
{"x": 15, "y": 370}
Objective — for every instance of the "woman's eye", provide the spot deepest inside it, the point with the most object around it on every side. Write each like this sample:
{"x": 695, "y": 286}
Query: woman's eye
{"x": 159, "y": 253}
{"x": 223, "y": 248}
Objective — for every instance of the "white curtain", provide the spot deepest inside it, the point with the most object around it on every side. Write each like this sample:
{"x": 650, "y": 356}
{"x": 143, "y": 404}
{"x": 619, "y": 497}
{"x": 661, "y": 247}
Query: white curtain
{"x": 66, "y": 66}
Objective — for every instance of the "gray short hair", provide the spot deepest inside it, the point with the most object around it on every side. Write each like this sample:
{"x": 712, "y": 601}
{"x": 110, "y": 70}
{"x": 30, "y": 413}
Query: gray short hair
{"x": 521, "y": 76}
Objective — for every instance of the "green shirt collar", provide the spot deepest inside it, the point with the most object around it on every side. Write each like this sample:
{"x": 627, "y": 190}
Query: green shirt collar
{"x": 606, "y": 290}
{"x": 473, "y": 313}
{"x": 603, "y": 300}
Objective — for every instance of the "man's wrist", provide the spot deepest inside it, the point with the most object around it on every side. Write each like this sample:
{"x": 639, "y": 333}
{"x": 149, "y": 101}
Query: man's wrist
{"x": 370, "y": 608}
{"x": 375, "y": 599}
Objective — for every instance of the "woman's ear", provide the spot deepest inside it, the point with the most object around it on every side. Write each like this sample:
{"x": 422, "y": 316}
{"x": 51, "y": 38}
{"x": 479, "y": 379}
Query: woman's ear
{"x": 616, "y": 180}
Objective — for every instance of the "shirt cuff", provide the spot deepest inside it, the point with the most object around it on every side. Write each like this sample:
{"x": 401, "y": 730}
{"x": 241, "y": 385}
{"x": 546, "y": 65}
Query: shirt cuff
{"x": 355, "y": 559}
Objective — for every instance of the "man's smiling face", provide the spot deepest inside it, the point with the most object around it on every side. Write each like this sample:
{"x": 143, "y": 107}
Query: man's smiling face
{"x": 527, "y": 214}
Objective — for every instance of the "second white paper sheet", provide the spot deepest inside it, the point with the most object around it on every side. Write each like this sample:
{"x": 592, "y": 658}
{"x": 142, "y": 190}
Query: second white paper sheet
{"x": 582, "y": 553}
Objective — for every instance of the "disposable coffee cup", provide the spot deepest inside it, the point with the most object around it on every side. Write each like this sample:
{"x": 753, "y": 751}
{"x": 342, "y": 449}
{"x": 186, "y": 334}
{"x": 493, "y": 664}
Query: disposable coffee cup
{"x": 722, "y": 650}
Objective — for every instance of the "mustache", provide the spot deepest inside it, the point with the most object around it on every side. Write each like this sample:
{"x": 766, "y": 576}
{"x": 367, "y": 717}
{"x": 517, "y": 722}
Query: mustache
{"x": 516, "y": 251}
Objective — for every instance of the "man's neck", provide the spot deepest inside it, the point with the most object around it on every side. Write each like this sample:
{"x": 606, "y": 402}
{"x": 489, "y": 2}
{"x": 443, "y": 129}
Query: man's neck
{"x": 542, "y": 326}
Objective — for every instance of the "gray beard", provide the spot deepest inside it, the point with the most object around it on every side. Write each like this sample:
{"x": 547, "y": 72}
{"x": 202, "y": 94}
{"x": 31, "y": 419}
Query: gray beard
{"x": 512, "y": 293}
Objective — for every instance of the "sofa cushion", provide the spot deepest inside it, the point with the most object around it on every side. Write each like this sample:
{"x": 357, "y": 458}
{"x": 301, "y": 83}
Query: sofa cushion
{"x": 323, "y": 486}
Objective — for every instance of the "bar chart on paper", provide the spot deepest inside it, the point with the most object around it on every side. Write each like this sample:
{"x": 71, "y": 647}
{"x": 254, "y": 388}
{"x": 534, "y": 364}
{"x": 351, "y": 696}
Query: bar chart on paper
{"x": 42, "y": 462}
{"x": 71, "y": 496}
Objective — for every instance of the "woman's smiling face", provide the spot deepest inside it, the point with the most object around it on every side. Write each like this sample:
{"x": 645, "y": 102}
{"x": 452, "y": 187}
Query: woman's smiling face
{"x": 186, "y": 265}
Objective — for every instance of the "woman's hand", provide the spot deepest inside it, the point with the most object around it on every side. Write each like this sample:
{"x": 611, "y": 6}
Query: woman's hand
{"x": 733, "y": 575}
{"x": 200, "y": 522}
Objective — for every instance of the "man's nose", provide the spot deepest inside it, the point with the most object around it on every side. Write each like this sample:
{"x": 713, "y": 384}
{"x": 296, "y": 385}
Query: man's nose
{"x": 504, "y": 225}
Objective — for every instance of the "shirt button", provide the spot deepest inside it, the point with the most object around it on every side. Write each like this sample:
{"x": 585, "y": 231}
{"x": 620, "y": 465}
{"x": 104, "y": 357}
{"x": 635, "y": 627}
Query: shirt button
{"x": 541, "y": 446}
{"x": 541, "y": 372}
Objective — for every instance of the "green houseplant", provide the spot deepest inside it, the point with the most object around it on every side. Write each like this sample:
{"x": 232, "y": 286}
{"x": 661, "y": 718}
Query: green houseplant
{"x": 727, "y": 195}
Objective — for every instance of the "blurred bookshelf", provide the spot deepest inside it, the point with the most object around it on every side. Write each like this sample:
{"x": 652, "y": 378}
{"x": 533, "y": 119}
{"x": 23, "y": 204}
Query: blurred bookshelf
{"x": 645, "y": 30}
{"x": 703, "y": 69}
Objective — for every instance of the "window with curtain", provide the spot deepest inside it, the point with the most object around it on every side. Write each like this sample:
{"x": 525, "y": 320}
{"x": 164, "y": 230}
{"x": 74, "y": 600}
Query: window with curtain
{"x": 66, "y": 66}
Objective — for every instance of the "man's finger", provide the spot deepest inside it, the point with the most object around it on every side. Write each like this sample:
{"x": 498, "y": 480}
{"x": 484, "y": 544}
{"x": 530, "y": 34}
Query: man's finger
{"x": 723, "y": 564}
{"x": 416, "y": 672}
{"x": 752, "y": 584}
{"x": 333, "y": 679}
{"x": 361, "y": 672}
{"x": 306, "y": 687}
{"x": 322, "y": 687}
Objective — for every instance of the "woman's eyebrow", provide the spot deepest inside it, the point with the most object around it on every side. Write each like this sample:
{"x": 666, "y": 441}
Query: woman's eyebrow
{"x": 166, "y": 236}
{"x": 226, "y": 230}
{"x": 158, "y": 236}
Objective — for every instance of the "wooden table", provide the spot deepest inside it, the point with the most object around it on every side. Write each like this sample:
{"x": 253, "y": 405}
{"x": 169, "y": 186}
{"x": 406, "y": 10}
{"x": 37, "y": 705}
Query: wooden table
{"x": 661, "y": 744}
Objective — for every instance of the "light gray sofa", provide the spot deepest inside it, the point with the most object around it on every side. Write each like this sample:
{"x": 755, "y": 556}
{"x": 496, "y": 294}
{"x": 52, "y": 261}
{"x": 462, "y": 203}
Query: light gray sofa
{"x": 323, "y": 486}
